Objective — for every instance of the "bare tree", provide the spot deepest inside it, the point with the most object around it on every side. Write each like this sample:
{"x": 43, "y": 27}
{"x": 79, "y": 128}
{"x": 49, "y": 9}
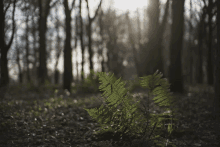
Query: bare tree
{"x": 152, "y": 31}
{"x": 81, "y": 39}
{"x": 67, "y": 76}
{"x": 89, "y": 32}
{"x": 18, "y": 59}
{"x": 27, "y": 41}
{"x": 76, "y": 42}
{"x": 190, "y": 46}
{"x": 210, "y": 49}
{"x": 159, "y": 61}
{"x": 59, "y": 49}
{"x": 3, "y": 45}
{"x": 33, "y": 30}
{"x": 102, "y": 41}
{"x": 201, "y": 33}
{"x": 175, "y": 71}
{"x": 217, "y": 68}
{"x": 44, "y": 8}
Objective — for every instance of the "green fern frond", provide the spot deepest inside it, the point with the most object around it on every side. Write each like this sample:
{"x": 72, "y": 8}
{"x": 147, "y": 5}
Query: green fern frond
{"x": 117, "y": 98}
{"x": 159, "y": 88}
{"x": 119, "y": 112}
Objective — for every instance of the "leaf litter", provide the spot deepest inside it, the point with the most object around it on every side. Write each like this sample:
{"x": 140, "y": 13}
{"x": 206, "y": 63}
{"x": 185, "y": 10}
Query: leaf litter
{"x": 29, "y": 118}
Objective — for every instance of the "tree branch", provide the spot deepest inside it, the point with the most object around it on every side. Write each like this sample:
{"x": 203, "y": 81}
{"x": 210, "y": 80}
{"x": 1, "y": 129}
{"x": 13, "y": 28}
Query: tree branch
{"x": 204, "y": 3}
{"x": 96, "y": 12}
{"x": 73, "y": 5}
{"x": 165, "y": 15}
{"x": 7, "y": 7}
{"x": 13, "y": 30}
{"x": 87, "y": 5}
{"x": 52, "y": 5}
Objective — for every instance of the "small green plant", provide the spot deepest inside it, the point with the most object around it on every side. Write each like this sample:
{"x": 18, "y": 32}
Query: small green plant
{"x": 119, "y": 112}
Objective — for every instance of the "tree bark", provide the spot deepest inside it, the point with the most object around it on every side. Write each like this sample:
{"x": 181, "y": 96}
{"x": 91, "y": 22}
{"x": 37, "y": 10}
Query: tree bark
{"x": 152, "y": 46}
{"x": 67, "y": 76}
{"x": 3, "y": 46}
{"x": 44, "y": 11}
{"x": 27, "y": 44}
{"x": 176, "y": 46}
{"x": 20, "y": 78}
{"x": 81, "y": 39}
{"x": 76, "y": 41}
{"x": 217, "y": 68}
{"x": 210, "y": 54}
{"x": 56, "y": 76}
{"x": 201, "y": 29}
{"x": 159, "y": 62}
{"x": 190, "y": 46}
{"x": 36, "y": 51}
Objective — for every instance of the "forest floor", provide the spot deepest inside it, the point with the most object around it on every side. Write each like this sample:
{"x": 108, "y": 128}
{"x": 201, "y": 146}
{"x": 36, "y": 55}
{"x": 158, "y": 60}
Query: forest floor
{"x": 33, "y": 118}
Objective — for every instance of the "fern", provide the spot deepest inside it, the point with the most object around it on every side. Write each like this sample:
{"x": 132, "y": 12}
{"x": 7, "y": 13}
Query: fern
{"x": 120, "y": 113}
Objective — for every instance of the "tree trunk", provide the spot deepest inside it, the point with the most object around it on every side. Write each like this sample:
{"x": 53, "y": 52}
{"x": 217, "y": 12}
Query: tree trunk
{"x": 108, "y": 61}
{"x": 56, "y": 71}
{"x": 135, "y": 56}
{"x": 18, "y": 60}
{"x": 90, "y": 47}
{"x": 76, "y": 41}
{"x": 217, "y": 68}
{"x": 102, "y": 40}
{"x": 190, "y": 46}
{"x": 89, "y": 31}
{"x": 2, "y": 42}
{"x": 4, "y": 68}
{"x": 44, "y": 11}
{"x": 67, "y": 76}
{"x": 56, "y": 76}
{"x": 159, "y": 62}
{"x": 27, "y": 46}
{"x": 3, "y": 46}
{"x": 201, "y": 30}
{"x": 210, "y": 54}
{"x": 34, "y": 46}
{"x": 152, "y": 64}
{"x": 81, "y": 40}
{"x": 176, "y": 46}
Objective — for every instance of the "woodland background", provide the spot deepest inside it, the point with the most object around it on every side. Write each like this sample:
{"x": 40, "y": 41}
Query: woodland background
{"x": 185, "y": 48}
{"x": 124, "y": 46}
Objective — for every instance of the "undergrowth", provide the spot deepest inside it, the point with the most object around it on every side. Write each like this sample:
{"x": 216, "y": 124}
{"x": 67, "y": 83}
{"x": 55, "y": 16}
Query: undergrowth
{"x": 88, "y": 85}
{"x": 30, "y": 118}
{"x": 121, "y": 114}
